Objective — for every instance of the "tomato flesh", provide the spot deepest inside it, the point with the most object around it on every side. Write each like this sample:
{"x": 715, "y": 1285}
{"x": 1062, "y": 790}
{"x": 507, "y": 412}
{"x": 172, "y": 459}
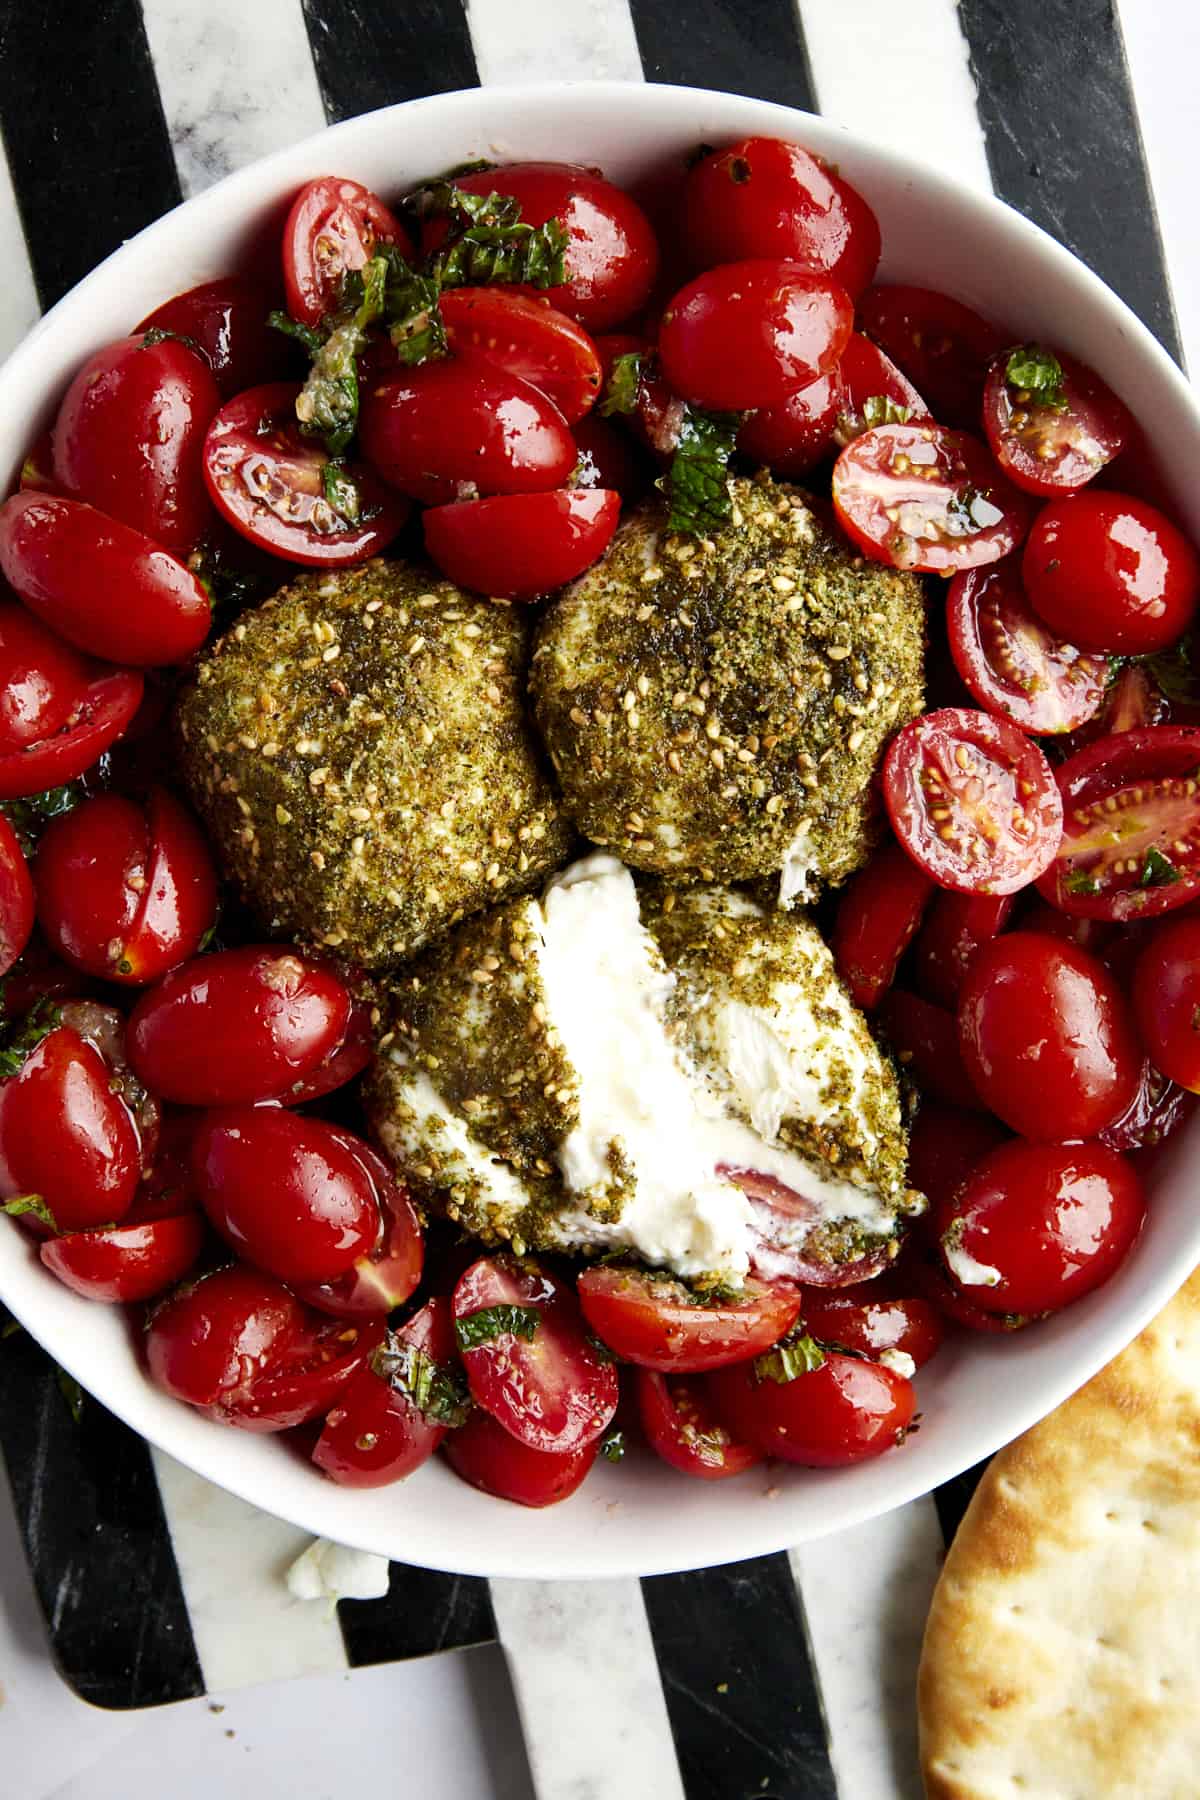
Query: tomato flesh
{"x": 102, "y": 716}
{"x": 1166, "y": 995}
{"x": 878, "y": 916}
{"x": 486, "y": 1456}
{"x": 1111, "y": 573}
{"x": 530, "y": 339}
{"x": 793, "y": 436}
{"x": 790, "y": 328}
{"x": 520, "y": 545}
{"x": 128, "y": 1262}
{"x": 335, "y": 225}
{"x": 376, "y": 1434}
{"x": 941, "y": 345}
{"x": 944, "y": 1145}
{"x": 784, "y": 1218}
{"x": 1158, "y": 1108}
{"x": 1052, "y": 449}
{"x": 1011, "y": 663}
{"x": 662, "y": 1325}
{"x": 868, "y": 375}
{"x": 957, "y": 926}
{"x": 844, "y": 1412}
{"x": 682, "y": 1427}
{"x": 385, "y": 1276}
{"x": 43, "y": 681}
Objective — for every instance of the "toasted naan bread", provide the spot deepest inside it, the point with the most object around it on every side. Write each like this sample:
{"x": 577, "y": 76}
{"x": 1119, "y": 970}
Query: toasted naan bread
{"x": 1062, "y": 1653}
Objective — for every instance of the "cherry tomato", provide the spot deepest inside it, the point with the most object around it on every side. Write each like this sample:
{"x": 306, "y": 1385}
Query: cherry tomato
{"x": 1035, "y": 1226}
{"x": 307, "y": 1379}
{"x": 460, "y": 427}
{"x": 1166, "y": 995}
{"x": 37, "y": 975}
{"x": 1158, "y": 1108}
{"x": 377, "y": 1434}
{"x": 784, "y": 1219}
{"x": 1049, "y": 449}
{"x": 973, "y": 801}
{"x": 941, "y": 345}
{"x": 873, "y": 1324}
{"x": 237, "y": 1026}
{"x": 612, "y": 256}
{"x": 1090, "y": 934}
{"x": 553, "y": 1390}
{"x": 662, "y": 1325}
{"x": 950, "y": 1299}
{"x": 682, "y": 1427}
{"x": 765, "y": 197}
{"x": 1131, "y": 827}
{"x": 925, "y": 1040}
{"x": 1047, "y": 1037}
{"x": 925, "y": 498}
{"x": 869, "y": 381}
{"x": 788, "y": 326}
{"x": 43, "y": 681}
{"x": 290, "y": 1194}
{"x": 1132, "y": 701}
{"x": 792, "y": 437}
{"x": 227, "y": 320}
{"x": 333, "y": 228}
{"x": 956, "y": 926}
{"x": 129, "y": 436}
{"x": 127, "y": 1262}
{"x": 268, "y": 481}
{"x": 104, "y": 586}
{"x": 37, "y": 470}
{"x": 608, "y": 458}
{"x": 1011, "y": 663}
{"x": 125, "y": 891}
{"x": 16, "y": 897}
{"x": 483, "y": 1454}
{"x": 843, "y": 1412}
{"x": 105, "y": 712}
{"x": 347, "y": 1059}
{"x": 528, "y": 338}
{"x": 658, "y": 414}
{"x": 878, "y": 914}
{"x": 944, "y": 1145}
{"x": 385, "y": 1276}
{"x": 67, "y": 1135}
{"x": 521, "y": 545}
{"x": 1111, "y": 573}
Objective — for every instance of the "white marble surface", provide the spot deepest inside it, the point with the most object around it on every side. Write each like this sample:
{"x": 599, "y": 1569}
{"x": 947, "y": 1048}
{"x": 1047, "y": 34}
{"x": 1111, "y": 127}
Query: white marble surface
{"x": 593, "y": 40}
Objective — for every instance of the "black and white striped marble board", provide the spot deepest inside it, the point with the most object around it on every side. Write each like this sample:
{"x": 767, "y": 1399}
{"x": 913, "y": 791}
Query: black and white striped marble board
{"x": 786, "y": 1676}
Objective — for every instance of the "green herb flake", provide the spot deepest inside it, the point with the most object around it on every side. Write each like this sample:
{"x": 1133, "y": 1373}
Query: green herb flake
{"x": 600, "y": 1347}
{"x": 231, "y": 587}
{"x": 516, "y": 254}
{"x": 1078, "y": 881}
{"x": 881, "y": 409}
{"x": 438, "y": 1392}
{"x": 612, "y": 1446}
{"x": 303, "y": 334}
{"x": 792, "y": 1356}
{"x": 698, "y": 480}
{"x": 1158, "y": 870}
{"x": 621, "y": 393}
{"x": 30, "y": 815}
{"x": 71, "y": 1392}
{"x": 342, "y": 492}
{"x": 42, "y": 1018}
{"x": 30, "y": 1203}
{"x": 497, "y": 1321}
{"x": 156, "y": 335}
{"x": 1175, "y": 672}
{"x": 411, "y": 311}
{"x": 1036, "y": 375}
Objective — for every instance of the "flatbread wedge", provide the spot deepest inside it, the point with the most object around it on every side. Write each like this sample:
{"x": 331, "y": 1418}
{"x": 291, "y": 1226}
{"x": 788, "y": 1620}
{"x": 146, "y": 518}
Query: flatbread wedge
{"x": 1062, "y": 1651}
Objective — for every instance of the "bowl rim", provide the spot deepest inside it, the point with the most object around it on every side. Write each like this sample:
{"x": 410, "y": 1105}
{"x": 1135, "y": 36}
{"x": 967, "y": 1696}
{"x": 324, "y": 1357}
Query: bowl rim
{"x": 750, "y": 1530}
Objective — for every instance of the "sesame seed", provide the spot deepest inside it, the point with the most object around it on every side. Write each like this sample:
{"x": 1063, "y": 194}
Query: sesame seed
{"x": 317, "y": 859}
{"x": 357, "y": 846}
{"x": 578, "y": 716}
{"x": 783, "y": 584}
{"x": 838, "y": 652}
{"x": 643, "y": 685}
{"x": 415, "y": 646}
{"x": 332, "y": 654}
{"x": 774, "y": 804}
{"x": 361, "y": 813}
{"x": 652, "y": 574}
{"x": 282, "y": 815}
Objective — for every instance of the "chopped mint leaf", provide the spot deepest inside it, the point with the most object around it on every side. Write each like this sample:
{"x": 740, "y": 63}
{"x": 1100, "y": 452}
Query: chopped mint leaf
{"x": 30, "y": 815}
{"x": 42, "y": 1018}
{"x": 497, "y": 1321}
{"x": 440, "y": 1393}
{"x": 231, "y": 588}
{"x": 698, "y": 480}
{"x": 72, "y": 1393}
{"x": 600, "y": 1347}
{"x": 621, "y": 393}
{"x": 342, "y": 492}
{"x": 156, "y": 335}
{"x": 30, "y": 1203}
{"x": 793, "y": 1355}
{"x": 1078, "y": 881}
{"x": 410, "y": 311}
{"x": 1037, "y": 375}
{"x": 1157, "y": 870}
{"x": 327, "y": 404}
{"x": 612, "y": 1445}
{"x": 1175, "y": 673}
{"x": 881, "y": 409}
{"x": 489, "y": 255}
{"x": 303, "y": 334}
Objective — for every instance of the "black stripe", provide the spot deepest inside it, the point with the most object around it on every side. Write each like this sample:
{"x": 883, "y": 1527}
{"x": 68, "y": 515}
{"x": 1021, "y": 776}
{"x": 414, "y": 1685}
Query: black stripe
{"x": 85, "y": 133}
{"x": 422, "y": 1613}
{"x": 953, "y": 1498}
{"x": 97, "y": 1541}
{"x": 751, "y": 47}
{"x": 371, "y": 53}
{"x": 1063, "y": 143}
{"x": 740, "y": 1691}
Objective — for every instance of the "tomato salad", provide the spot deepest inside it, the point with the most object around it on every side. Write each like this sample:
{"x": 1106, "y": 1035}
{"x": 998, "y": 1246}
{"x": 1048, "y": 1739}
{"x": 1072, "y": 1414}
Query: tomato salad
{"x": 497, "y": 364}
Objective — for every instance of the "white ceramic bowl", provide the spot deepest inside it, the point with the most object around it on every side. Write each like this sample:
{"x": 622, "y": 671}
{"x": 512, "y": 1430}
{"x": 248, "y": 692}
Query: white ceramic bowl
{"x": 978, "y": 1393}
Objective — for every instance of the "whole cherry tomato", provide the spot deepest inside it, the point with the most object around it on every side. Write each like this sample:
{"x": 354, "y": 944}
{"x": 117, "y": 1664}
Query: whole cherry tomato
{"x": 348, "y": 1058}
{"x": 393, "y": 1415}
{"x": 789, "y": 328}
{"x": 103, "y": 714}
{"x": 291, "y": 1194}
{"x": 661, "y": 1324}
{"x": 766, "y": 197}
{"x": 941, "y": 345}
{"x": 107, "y": 588}
{"x": 1047, "y": 1037}
{"x": 925, "y": 1040}
{"x": 529, "y": 338}
{"x": 1132, "y": 701}
{"x": 388, "y": 1272}
{"x": 227, "y": 321}
{"x": 1035, "y": 1226}
{"x": 956, "y": 927}
{"x": 1166, "y": 996}
{"x": 878, "y": 914}
{"x": 37, "y": 975}
{"x": 682, "y": 1427}
{"x": 43, "y": 681}
{"x": 1051, "y": 422}
{"x": 127, "y": 1262}
{"x": 1011, "y": 663}
{"x": 874, "y": 392}
{"x": 843, "y": 1412}
{"x": 126, "y": 891}
{"x": 129, "y": 436}
{"x": 460, "y": 427}
{"x": 1111, "y": 573}
{"x": 335, "y": 225}
{"x": 522, "y": 545}
{"x": 792, "y": 437}
{"x": 874, "y": 1325}
{"x": 944, "y": 1145}
{"x": 237, "y": 1026}
{"x": 16, "y": 897}
{"x": 483, "y": 1454}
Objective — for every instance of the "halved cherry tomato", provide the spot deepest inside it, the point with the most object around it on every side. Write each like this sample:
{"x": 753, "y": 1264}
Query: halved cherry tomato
{"x": 608, "y": 458}
{"x": 37, "y": 975}
{"x": 873, "y": 1324}
{"x": 784, "y": 1220}
{"x": 104, "y": 713}
{"x": 661, "y": 1324}
{"x": 1166, "y": 995}
{"x": 789, "y": 327}
{"x": 207, "y": 1342}
{"x": 552, "y": 1390}
{"x": 127, "y": 1262}
{"x": 237, "y": 1026}
{"x": 43, "y": 681}
{"x": 521, "y": 545}
{"x": 1111, "y": 573}
{"x": 385, "y": 1276}
{"x": 529, "y": 338}
{"x": 16, "y": 897}
{"x": 870, "y": 381}
{"x": 227, "y": 320}
{"x": 126, "y": 891}
{"x": 877, "y": 918}
{"x": 925, "y": 498}
{"x": 307, "y": 1379}
{"x": 973, "y": 801}
{"x": 611, "y": 258}
{"x": 347, "y": 1059}
{"x": 658, "y": 413}
{"x": 37, "y": 468}
{"x": 483, "y": 1454}
{"x": 941, "y": 345}
{"x": 956, "y": 926}
{"x": 1049, "y": 449}
{"x": 291, "y": 1194}
{"x": 950, "y": 1300}
{"x": 1047, "y": 1037}
{"x": 268, "y": 481}
{"x": 1158, "y": 1108}
{"x": 843, "y": 1412}
{"x": 766, "y": 197}
{"x": 1132, "y": 701}
{"x": 460, "y": 427}
{"x": 792, "y": 437}
{"x": 129, "y": 436}
{"x": 682, "y": 1427}
{"x": 333, "y": 228}
{"x": 1036, "y": 1226}
{"x": 944, "y": 1145}
{"x": 925, "y": 1040}
{"x": 104, "y": 586}
{"x": 376, "y": 1433}
{"x": 1011, "y": 663}
{"x": 1131, "y": 827}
